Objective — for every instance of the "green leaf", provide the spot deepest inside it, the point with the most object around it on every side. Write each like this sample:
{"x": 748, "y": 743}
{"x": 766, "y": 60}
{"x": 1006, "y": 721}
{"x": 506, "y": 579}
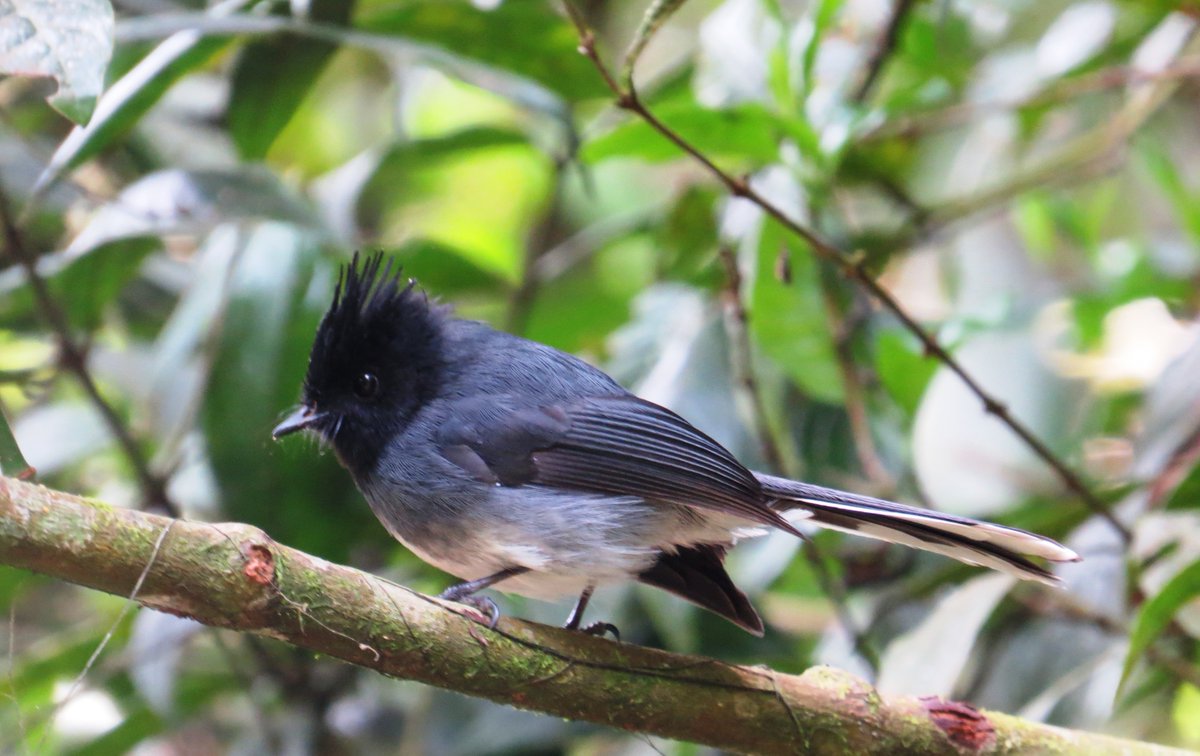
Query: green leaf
{"x": 443, "y": 270}
{"x": 1139, "y": 280}
{"x": 1156, "y": 614}
{"x": 272, "y": 76}
{"x": 583, "y": 308}
{"x": 935, "y": 59}
{"x": 789, "y": 321}
{"x": 141, "y": 722}
{"x": 779, "y": 64}
{"x": 929, "y": 658}
{"x": 686, "y": 238}
{"x": 656, "y": 15}
{"x": 1187, "y": 494}
{"x": 1034, "y": 220}
{"x": 481, "y": 202}
{"x": 110, "y": 249}
{"x": 12, "y": 462}
{"x": 280, "y": 289}
{"x": 823, "y": 14}
{"x": 1165, "y": 172}
{"x": 525, "y": 37}
{"x": 128, "y": 99}
{"x": 92, "y": 282}
{"x": 1186, "y": 713}
{"x": 83, "y": 285}
{"x": 395, "y": 168}
{"x": 193, "y": 202}
{"x": 903, "y": 368}
{"x": 744, "y": 131}
{"x": 70, "y": 41}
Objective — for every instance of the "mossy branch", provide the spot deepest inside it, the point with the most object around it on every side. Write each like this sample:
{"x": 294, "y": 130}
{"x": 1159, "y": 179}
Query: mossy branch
{"x": 234, "y": 576}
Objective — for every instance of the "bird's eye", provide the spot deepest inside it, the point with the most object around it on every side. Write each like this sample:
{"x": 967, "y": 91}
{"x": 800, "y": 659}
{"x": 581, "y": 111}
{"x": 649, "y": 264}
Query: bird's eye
{"x": 366, "y": 386}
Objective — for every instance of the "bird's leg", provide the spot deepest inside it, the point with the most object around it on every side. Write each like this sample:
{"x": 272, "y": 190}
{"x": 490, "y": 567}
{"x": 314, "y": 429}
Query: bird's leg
{"x": 577, "y": 613}
{"x": 596, "y": 628}
{"x": 464, "y": 593}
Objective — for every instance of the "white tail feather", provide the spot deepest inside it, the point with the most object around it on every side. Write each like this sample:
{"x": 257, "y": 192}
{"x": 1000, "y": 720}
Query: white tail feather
{"x": 984, "y": 544}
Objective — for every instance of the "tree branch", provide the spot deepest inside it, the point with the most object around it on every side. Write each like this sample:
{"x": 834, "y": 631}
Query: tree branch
{"x": 73, "y": 358}
{"x": 234, "y": 576}
{"x": 853, "y": 267}
{"x": 1060, "y": 91}
{"x": 883, "y": 49}
{"x": 736, "y": 329}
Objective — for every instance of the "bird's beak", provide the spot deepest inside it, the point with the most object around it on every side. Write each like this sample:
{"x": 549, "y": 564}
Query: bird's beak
{"x": 299, "y": 420}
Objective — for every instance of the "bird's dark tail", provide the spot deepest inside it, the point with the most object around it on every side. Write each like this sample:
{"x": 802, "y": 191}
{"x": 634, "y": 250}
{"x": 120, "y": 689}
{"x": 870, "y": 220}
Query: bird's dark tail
{"x": 972, "y": 541}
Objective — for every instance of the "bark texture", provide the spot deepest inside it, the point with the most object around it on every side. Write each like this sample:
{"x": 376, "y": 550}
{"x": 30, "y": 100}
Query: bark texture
{"x": 234, "y": 576}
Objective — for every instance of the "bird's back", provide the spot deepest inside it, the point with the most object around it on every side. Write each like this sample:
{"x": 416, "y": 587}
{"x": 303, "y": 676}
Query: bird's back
{"x": 492, "y": 362}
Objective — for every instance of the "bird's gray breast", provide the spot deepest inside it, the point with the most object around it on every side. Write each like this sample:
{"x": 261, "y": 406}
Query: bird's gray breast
{"x": 566, "y": 539}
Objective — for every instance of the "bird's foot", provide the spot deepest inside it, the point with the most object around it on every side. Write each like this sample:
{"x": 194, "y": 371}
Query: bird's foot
{"x": 486, "y": 610}
{"x": 600, "y": 629}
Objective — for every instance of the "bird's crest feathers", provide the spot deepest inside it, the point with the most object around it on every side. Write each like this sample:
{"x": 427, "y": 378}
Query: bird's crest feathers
{"x": 377, "y": 316}
{"x": 368, "y": 292}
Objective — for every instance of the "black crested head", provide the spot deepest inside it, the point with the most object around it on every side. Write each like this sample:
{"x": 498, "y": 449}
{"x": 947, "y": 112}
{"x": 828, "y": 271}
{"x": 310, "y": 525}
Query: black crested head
{"x": 375, "y": 361}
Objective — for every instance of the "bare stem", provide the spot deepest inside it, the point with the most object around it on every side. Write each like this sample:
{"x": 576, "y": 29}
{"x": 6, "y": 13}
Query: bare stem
{"x": 843, "y": 328}
{"x": 736, "y": 322}
{"x": 737, "y": 331}
{"x": 852, "y": 267}
{"x": 883, "y": 48}
{"x": 522, "y": 299}
{"x": 1061, "y": 605}
{"x": 73, "y": 357}
{"x": 1061, "y": 91}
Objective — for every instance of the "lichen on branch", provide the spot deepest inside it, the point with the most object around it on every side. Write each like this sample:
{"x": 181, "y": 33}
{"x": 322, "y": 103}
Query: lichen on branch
{"x": 234, "y": 576}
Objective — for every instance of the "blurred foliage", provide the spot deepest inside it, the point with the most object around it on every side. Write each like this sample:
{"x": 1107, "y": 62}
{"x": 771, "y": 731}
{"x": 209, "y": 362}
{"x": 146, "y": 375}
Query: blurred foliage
{"x": 1022, "y": 176}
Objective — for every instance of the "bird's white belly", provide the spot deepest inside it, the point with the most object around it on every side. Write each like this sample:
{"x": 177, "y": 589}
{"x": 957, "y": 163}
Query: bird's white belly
{"x": 566, "y": 542}
{"x": 552, "y": 574}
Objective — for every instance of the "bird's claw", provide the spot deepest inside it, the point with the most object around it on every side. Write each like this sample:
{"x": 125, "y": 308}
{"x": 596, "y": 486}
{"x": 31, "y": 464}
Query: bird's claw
{"x": 486, "y": 610}
{"x": 600, "y": 629}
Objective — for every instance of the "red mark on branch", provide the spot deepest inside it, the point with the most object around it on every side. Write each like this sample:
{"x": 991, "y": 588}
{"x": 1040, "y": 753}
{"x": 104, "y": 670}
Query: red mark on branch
{"x": 260, "y": 564}
{"x": 965, "y": 725}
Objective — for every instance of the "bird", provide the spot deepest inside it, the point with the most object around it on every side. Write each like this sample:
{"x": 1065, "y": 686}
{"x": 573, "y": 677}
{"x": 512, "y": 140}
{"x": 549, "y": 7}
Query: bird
{"x": 509, "y": 463}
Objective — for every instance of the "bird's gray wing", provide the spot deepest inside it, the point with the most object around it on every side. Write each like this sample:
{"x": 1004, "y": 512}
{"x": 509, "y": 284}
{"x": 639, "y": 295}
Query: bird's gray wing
{"x": 619, "y": 445}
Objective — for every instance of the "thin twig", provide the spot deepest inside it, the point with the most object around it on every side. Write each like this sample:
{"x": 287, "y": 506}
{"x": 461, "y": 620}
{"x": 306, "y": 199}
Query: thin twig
{"x": 650, "y": 743}
{"x": 835, "y": 590}
{"x": 171, "y": 449}
{"x": 1092, "y": 154}
{"x": 843, "y": 327}
{"x": 736, "y": 329}
{"x": 784, "y": 702}
{"x": 130, "y": 603}
{"x": 884, "y": 47}
{"x": 1174, "y": 471}
{"x": 520, "y": 303}
{"x": 100, "y": 676}
{"x": 736, "y": 322}
{"x": 74, "y": 359}
{"x": 854, "y": 268}
{"x": 959, "y": 113}
{"x": 272, "y": 738}
{"x": 1060, "y": 605}
{"x": 12, "y": 682}
{"x": 578, "y": 248}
